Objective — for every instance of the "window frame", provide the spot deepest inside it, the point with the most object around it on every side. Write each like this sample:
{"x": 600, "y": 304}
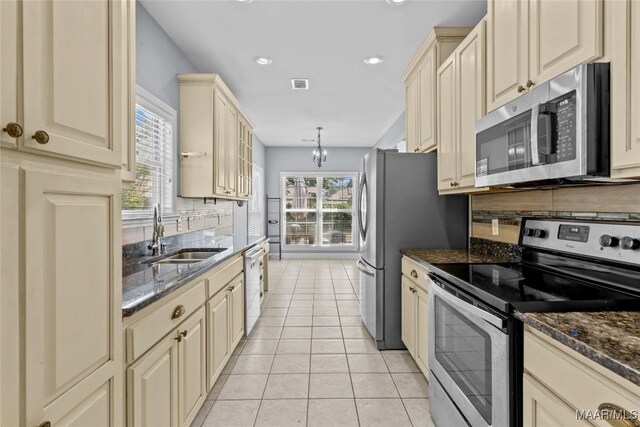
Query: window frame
{"x": 152, "y": 103}
{"x": 319, "y": 210}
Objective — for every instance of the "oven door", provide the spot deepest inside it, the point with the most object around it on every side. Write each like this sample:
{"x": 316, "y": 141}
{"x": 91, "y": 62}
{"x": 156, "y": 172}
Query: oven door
{"x": 469, "y": 356}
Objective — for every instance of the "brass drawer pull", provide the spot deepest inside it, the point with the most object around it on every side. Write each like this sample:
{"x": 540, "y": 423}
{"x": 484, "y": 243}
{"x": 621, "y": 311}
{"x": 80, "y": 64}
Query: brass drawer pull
{"x": 521, "y": 89}
{"x": 530, "y": 83}
{"x": 178, "y": 311}
{"x": 14, "y": 130}
{"x": 617, "y": 416}
{"x": 183, "y": 333}
{"x": 45, "y": 424}
{"x": 414, "y": 274}
{"x": 41, "y": 137}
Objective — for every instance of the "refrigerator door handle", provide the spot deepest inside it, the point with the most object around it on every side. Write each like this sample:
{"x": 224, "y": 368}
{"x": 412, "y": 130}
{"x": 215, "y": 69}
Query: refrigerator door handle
{"x": 363, "y": 268}
{"x": 363, "y": 189}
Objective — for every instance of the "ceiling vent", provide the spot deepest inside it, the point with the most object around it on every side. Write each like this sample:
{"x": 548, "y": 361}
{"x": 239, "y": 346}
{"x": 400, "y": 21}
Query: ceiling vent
{"x": 300, "y": 84}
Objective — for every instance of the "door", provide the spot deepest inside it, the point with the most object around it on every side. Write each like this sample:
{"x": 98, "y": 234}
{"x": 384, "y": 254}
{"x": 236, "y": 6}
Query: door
{"x": 563, "y": 34}
{"x": 218, "y": 335}
{"x": 192, "y": 377}
{"x": 237, "y": 310}
{"x": 153, "y": 387}
{"x": 71, "y": 79}
{"x": 370, "y": 302}
{"x": 408, "y": 315}
{"x": 542, "y": 408}
{"x": 447, "y": 150}
{"x": 412, "y": 124}
{"x": 373, "y": 243}
{"x": 231, "y": 151}
{"x": 422, "y": 330}
{"x": 73, "y": 291}
{"x": 220, "y": 145}
{"x": 9, "y": 70}
{"x": 471, "y": 102}
{"x": 507, "y": 50}
{"x": 427, "y": 101}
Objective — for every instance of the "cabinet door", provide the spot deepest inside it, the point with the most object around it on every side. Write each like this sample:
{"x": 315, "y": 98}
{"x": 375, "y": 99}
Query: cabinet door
{"x": 470, "y": 101}
{"x": 231, "y": 151}
{"x": 192, "y": 377}
{"x": 422, "y": 331}
{"x": 408, "y": 315}
{"x": 220, "y": 147}
{"x": 10, "y": 352}
{"x": 73, "y": 317}
{"x": 237, "y": 311}
{"x": 153, "y": 387}
{"x": 625, "y": 90}
{"x": 411, "y": 111}
{"x": 563, "y": 34}
{"x": 9, "y": 67}
{"x": 427, "y": 101}
{"x": 447, "y": 156}
{"x": 219, "y": 341}
{"x": 507, "y": 50}
{"x": 70, "y": 68}
{"x": 542, "y": 408}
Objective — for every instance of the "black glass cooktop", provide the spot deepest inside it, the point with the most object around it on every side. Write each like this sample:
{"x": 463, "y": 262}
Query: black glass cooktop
{"x": 509, "y": 287}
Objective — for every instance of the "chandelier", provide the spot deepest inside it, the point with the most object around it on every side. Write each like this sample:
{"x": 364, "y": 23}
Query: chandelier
{"x": 319, "y": 154}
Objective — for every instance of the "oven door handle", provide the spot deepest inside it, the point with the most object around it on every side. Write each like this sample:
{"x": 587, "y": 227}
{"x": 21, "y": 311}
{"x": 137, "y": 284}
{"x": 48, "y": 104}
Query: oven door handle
{"x": 466, "y": 307}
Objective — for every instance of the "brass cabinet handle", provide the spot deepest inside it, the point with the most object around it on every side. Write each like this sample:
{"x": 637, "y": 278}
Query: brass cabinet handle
{"x": 261, "y": 293}
{"x": 14, "y": 130}
{"x": 41, "y": 137}
{"x": 44, "y": 423}
{"x": 178, "y": 338}
{"x": 618, "y": 416}
{"x": 414, "y": 274}
{"x": 415, "y": 150}
{"x": 183, "y": 333}
{"x": 530, "y": 83}
{"x": 230, "y": 288}
{"x": 178, "y": 311}
{"x": 411, "y": 288}
{"x": 521, "y": 89}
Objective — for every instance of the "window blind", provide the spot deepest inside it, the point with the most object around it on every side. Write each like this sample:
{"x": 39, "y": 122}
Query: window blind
{"x": 256, "y": 203}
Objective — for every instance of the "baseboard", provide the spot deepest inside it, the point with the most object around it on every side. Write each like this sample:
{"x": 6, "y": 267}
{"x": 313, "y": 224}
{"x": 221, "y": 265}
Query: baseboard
{"x": 316, "y": 255}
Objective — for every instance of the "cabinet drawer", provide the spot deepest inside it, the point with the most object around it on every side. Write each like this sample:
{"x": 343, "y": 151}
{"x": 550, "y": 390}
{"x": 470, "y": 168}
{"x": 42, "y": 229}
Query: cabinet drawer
{"x": 575, "y": 379}
{"x": 415, "y": 272}
{"x": 146, "y": 332}
{"x": 223, "y": 275}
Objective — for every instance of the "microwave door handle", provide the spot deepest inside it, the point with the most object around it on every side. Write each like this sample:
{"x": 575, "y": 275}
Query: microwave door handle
{"x": 466, "y": 307}
{"x": 535, "y": 153}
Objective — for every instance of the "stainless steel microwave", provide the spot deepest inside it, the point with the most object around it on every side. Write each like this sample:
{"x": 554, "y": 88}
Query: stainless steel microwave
{"x": 557, "y": 131}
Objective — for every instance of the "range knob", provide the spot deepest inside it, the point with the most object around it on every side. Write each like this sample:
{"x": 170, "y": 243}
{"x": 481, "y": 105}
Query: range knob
{"x": 608, "y": 241}
{"x": 527, "y": 231}
{"x": 539, "y": 233}
{"x": 629, "y": 243}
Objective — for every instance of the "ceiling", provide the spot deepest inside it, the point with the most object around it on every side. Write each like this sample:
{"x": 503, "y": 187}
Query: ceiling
{"x": 325, "y": 41}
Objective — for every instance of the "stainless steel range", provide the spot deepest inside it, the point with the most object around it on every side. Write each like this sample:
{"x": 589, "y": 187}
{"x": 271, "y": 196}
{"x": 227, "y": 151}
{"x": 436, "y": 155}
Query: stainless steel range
{"x": 475, "y": 348}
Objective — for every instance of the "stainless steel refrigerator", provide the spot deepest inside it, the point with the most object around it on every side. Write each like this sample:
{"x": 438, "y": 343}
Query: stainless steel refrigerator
{"x": 399, "y": 207}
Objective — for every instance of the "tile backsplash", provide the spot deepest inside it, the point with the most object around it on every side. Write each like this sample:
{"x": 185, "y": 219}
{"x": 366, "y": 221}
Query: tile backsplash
{"x": 193, "y": 215}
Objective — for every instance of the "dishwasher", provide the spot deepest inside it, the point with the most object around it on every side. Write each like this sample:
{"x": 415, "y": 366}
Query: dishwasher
{"x": 251, "y": 288}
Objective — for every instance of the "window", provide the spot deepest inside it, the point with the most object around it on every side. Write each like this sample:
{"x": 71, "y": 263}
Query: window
{"x": 318, "y": 210}
{"x": 256, "y": 203}
{"x": 155, "y": 158}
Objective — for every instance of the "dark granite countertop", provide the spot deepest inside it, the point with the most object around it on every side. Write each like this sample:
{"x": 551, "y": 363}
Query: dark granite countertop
{"x": 453, "y": 256}
{"x": 143, "y": 284}
{"x": 609, "y": 338}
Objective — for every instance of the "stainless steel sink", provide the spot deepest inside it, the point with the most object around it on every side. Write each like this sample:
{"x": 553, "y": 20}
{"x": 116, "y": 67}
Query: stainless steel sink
{"x": 189, "y": 256}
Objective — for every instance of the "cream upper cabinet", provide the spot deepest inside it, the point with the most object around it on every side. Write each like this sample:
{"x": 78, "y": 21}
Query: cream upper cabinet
{"x": 72, "y": 272}
{"x": 210, "y": 138}
{"x": 421, "y": 88}
{"x": 408, "y": 315}
{"x": 532, "y": 41}
{"x": 245, "y": 158}
{"x": 192, "y": 378}
{"x": 67, "y": 109}
{"x": 461, "y": 101}
{"x": 127, "y": 114}
{"x": 558, "y": 381}
{"x": 219, "y": 340}
{"x": 625, "y": 89}
{"x": 11, "y": 120}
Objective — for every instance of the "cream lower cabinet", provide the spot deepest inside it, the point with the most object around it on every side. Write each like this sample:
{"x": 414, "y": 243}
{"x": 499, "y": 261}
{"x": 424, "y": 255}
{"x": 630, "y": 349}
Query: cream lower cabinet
{"x": 414, "y": 317}
{"x": 237, "y": 310}
{"x": 532, "y": 41}
{"x": 625, "y": 88}
{"x": 167, "y": 386}
{"x": 421, "y": 89}
{"x": 558, "y": 382}
{"x": 219, "y": 346}
{"x": 461, "y": 101}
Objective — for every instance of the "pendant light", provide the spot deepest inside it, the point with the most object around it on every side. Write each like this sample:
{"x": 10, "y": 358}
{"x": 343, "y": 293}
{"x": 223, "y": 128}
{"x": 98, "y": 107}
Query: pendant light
{"x": 319, "y": 154}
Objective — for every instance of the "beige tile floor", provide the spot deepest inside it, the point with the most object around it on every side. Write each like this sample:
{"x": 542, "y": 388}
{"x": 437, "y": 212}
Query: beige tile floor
{"x": 311, "y": 362}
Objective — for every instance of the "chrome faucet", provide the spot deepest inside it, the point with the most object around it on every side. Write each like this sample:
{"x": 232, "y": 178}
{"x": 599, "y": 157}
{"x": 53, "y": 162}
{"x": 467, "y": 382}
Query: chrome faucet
{"x": 158, "y": 231}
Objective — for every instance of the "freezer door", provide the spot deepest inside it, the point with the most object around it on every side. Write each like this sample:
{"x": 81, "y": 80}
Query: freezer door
{"x": 372, "y": 244}
{"x": 370, "y": 305}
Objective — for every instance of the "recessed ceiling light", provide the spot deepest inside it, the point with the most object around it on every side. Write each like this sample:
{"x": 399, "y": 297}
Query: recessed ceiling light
{"x": 373, "y": 60}
{"x": 396, "y": 2}
{"x": 262, "y": 60}
{"x": 244, "y": 1}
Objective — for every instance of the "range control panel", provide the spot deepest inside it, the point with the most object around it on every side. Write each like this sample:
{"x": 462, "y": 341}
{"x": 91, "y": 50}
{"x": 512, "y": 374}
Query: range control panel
{"x": 614, "y": 241}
